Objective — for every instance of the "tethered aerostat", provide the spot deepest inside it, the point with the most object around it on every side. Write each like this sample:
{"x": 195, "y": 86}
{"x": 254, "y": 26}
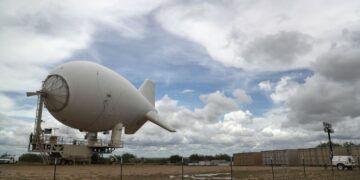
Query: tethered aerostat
{"x": 93, "y": 98}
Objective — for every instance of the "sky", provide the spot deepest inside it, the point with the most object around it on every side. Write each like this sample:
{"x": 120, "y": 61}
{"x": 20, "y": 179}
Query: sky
{"x": 231, "y": 76}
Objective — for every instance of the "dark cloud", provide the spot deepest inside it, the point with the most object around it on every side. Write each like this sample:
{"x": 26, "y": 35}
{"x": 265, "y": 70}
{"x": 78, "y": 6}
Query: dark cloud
{"x": 281, "y": 48}
{"x": 332, "y": 94}
{"x": 352, "y": 36}
{"x": 321, "y": 100}
{"x": 342, "y": 64}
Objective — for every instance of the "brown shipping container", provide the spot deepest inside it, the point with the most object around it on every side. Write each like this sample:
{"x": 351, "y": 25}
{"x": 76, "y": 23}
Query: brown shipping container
{"x": 248, "y": 159}
{"x": 314, "y": 156}
{"x": 281, "y": 157}
{"x": 295, "y": 157}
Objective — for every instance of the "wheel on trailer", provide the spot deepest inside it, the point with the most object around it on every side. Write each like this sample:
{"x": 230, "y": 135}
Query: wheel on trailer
{"x": 340, "y": 167}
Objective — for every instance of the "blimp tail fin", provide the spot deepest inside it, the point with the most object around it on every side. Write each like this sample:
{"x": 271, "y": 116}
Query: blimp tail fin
{"x": 135, "y": 127}
{"x": 147, "y": 89}
{"x": 154, "y": 117}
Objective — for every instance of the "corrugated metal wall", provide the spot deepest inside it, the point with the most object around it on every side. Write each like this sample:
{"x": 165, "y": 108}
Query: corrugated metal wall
{"x": 281, "y": 157}
{"x": 294, "y": 157}
{"x": 248, "y": 159}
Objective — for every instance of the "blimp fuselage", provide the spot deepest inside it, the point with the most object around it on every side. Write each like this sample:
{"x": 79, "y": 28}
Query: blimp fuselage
{"x": 93, "y": 98}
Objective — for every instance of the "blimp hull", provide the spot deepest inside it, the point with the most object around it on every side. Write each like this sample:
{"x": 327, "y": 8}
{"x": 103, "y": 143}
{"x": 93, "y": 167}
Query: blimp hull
{"x": 91, "y": 97}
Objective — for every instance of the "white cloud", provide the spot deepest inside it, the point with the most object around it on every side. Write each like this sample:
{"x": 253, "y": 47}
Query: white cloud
{"x": 6, "y": 103}
{"x": 187, "y": 91}
{"x": 193, "y": 127}
{"x": 265, "y": 85}
{"x": 216, "y": 104}
{"x": 283, "y": 89}
{"x": 241, "y": 96}
{"x": 283, "y": 48}
{"x": 21, "y": 78}
{"x": 239, "y": 117}
{"x": 35, "y": 36}
{"x": 226, "y": 29}
{"x": 331, "y": 94}
{"x": 237, "y": 130}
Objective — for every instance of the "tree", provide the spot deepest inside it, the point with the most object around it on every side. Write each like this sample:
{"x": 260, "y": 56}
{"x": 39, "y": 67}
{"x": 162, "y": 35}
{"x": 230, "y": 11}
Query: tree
{"x": 128, "y": 158}
{"x": 195, "y": 158}
{"x": 222, "y": 157}
{"x": 5, "y": 155}
{"x": 327, "y": 144}
{"x": 208, "y": 157}
{"x": 175, "y": 159}
{"x": 29, "y": 157}
{"x": 348, "y": 144}
{"x": 155, "y": 160}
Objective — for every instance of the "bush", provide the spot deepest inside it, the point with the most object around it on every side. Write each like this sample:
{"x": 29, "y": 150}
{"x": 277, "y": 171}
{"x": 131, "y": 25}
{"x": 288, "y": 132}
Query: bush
{"x": 127, "y": 158}
{"x": 29, "y": 157}
{"x": 175, "y": 159}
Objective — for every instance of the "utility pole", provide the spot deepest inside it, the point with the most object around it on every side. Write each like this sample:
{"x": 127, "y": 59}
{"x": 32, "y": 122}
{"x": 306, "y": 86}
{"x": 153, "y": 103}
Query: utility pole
{"x": 182, "y": 168}
{"x": 328, "y": 129}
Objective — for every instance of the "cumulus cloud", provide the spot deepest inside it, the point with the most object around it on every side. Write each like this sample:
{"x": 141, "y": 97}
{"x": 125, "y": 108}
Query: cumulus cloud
{"x": 13, "y": 133}
{"x": 241, "y": 96}
{"x": 35, "y": 36}
{"x": 285, "y": 88}
{"x": 235, "y": 33}
{"x": 332, "y": 94}
{"x": 329, "y": 95}
{"x": 340, "y": 64}
{"x": 216, "y": 104}
{"x": 239, "y": 117}
{"x": 281, "y": 48}
{"x": 220, "y": 116}
{"x": 236, "y": 129}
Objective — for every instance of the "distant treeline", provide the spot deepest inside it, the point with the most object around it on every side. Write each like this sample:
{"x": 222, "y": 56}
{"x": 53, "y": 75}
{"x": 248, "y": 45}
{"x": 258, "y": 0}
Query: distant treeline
{"x": 129, "y": 158}
{"x": 346, "y": 144}
{"x": 174, "y": 159}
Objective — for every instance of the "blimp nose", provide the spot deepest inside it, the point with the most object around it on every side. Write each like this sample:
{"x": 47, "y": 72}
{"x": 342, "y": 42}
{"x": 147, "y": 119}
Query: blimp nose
{"x": 56, "y": 93}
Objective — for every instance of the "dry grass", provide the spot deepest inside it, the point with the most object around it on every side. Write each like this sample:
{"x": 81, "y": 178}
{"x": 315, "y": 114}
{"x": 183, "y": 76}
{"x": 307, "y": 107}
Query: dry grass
{"x": 153, "y": 172}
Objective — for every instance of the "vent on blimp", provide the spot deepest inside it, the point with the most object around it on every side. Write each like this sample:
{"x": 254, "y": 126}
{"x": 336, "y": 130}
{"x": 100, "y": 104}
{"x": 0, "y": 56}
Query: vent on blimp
{"x": 56, "y": 93}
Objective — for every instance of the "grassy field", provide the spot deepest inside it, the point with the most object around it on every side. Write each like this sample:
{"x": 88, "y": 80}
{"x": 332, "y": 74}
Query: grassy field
{"x": 153, "y": 172}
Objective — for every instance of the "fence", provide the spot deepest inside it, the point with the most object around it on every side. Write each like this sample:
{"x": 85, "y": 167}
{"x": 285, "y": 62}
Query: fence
{"x": 142, "y": 171}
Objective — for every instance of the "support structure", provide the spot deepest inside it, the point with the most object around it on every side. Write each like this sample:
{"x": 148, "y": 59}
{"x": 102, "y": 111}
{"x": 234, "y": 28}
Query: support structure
{"x": 53, "y": 147}
{"x": 37, "y": 138}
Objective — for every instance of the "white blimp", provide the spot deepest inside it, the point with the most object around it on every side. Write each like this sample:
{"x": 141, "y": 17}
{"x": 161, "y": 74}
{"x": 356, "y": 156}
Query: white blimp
{"x": 93, "y": 98}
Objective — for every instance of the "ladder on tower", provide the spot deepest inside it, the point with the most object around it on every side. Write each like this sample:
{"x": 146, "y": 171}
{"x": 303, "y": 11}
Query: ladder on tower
{"x": 39, "y": 134}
